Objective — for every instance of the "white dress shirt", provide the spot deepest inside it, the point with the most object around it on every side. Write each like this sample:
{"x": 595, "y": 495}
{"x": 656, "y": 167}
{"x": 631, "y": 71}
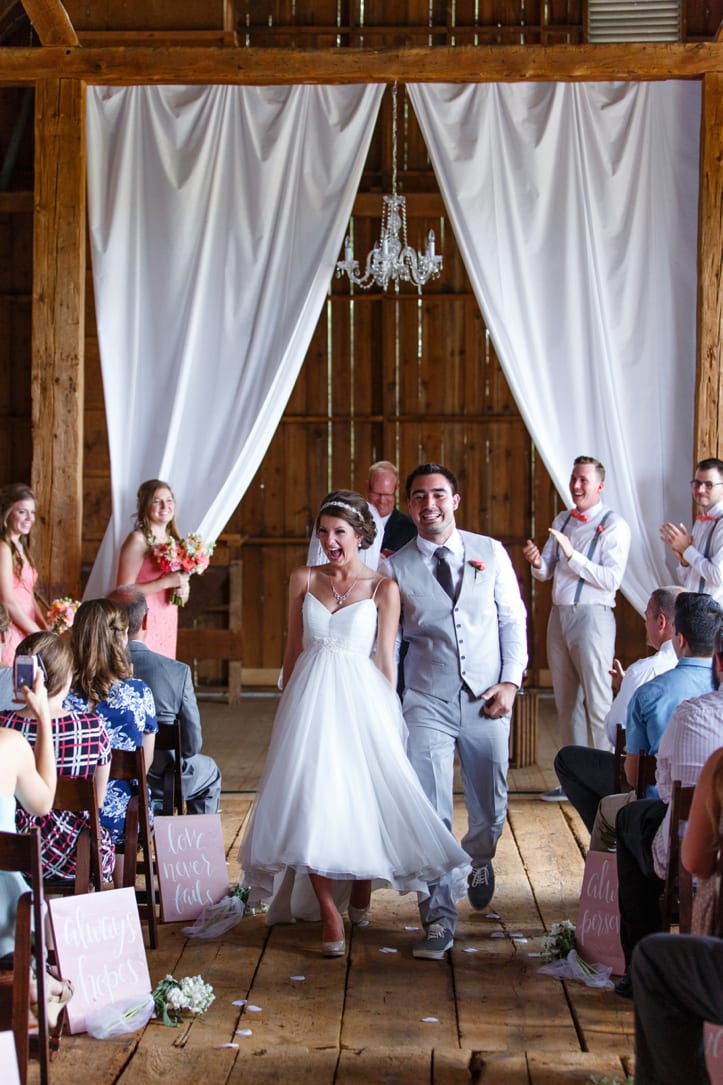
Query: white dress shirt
{"x": 695, "y": 732}
{"x": 455, "y": 558}
{"x": 602, "y": 574}
{"x": 705, "y": 573}
{"x": 637, "y": 674}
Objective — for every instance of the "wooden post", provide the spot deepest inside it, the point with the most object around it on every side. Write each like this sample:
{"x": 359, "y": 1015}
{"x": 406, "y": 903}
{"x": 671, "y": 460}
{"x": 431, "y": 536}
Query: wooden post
{"x": 58, "y": 331}
{"x": 709, "y": 391}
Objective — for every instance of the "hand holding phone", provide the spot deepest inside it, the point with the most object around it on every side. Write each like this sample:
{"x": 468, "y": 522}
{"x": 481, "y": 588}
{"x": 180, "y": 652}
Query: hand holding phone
{"x": 24, "y": 670}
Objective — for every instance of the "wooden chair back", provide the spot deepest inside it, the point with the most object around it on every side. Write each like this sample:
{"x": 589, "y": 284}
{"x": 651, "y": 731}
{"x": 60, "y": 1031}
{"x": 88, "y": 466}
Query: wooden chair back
{"x": 620, "y": 781}
{"x": 645, "y": 778}
{"x": 78, "y": 795}
{"x": 677, "y": 902}
{"x": 168, "y": 738}
{"x": 130, "y": 765}
{"x": 718, "y": 929}
{"x": 21, "y": 852}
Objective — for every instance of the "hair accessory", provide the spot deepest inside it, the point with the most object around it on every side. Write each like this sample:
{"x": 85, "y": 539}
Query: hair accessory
{"x": 340, "y": 505}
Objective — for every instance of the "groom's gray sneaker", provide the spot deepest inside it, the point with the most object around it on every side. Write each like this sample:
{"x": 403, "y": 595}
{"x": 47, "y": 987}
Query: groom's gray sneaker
{"x": 437, "y": 941}
{"x": 481, "y": 885}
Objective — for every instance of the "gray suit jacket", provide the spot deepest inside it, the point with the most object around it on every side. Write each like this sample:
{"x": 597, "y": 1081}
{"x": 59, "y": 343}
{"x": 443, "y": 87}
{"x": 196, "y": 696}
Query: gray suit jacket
{"x": 172, "y": 688}
{"x": 481, "y": 640}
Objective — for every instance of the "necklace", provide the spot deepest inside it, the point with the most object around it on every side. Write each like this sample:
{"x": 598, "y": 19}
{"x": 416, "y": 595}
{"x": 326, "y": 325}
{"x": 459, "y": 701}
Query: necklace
{"x": 341, "y": 598}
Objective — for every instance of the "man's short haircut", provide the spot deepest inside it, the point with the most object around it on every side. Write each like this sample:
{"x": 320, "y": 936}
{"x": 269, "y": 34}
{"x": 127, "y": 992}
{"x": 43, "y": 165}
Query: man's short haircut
{"x": 663, "y": 601}
{"x": 698, "y": 618}
{"x": 135, "y": 605}
{"x": 383, "y": 465}
{"x": 430, "y": 469}
{"x": 710, "y": 464}
{"x": 579, "y": 461}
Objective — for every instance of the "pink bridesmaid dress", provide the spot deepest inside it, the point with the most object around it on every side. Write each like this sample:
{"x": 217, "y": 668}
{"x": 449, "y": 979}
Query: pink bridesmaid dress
{"x": 24, "y": 594}
{"x": 162, "y": 627}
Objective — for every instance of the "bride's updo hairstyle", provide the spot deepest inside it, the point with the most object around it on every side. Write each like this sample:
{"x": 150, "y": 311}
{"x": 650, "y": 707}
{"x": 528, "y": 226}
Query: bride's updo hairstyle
{"x": 352, "y": 508}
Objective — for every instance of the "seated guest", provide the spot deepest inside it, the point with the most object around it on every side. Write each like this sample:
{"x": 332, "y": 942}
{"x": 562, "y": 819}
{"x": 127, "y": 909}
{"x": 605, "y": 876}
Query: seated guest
{"x": 172, "y": 687}
{"x": 702, "y": 842}
{"x": 7, "y": 693}
{"x": 678, "y": 981}
{"x": 102, "y": 684}
{"x": 28, "y": 775}
{"x": 82, "y": 749}
{"x": 586, "y": 775}
{"x": 695, "y": 731}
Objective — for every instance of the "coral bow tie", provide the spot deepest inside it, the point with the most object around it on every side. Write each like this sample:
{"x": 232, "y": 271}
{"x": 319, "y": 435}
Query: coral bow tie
{"x": 707, "y": 516}
{"x": 579, "y": 516}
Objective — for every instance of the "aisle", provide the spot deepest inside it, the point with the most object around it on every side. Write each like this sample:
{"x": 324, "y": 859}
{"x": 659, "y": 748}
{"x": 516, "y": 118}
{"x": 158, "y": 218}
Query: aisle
{"x": 378, "y": 1015}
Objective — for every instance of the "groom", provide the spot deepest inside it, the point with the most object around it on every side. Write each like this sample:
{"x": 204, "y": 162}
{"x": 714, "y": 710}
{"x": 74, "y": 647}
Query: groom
{"x": 465, "y": 623}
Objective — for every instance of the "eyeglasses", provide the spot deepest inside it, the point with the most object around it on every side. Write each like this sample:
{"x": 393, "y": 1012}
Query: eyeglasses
{"x": 698, "y": 483}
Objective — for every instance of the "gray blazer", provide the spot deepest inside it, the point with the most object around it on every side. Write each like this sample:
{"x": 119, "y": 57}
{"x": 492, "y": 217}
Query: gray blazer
{"x": 481, "y": 640}
{"x": 172, "y": 687}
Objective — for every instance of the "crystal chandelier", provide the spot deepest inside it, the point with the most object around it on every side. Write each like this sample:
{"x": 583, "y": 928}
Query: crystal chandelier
{"x": 392, "y": 259}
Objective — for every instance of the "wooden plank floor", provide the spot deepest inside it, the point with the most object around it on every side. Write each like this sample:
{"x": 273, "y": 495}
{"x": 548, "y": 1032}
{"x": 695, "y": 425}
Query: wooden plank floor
{"x": 377, "y": 1015}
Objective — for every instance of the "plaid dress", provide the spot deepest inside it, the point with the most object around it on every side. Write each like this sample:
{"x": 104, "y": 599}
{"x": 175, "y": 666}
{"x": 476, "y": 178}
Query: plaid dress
{"x": 81, "y": 743}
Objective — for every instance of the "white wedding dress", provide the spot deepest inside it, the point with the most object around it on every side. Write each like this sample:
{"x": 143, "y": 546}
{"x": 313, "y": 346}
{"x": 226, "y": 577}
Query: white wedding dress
{"x": 338, "y": 796}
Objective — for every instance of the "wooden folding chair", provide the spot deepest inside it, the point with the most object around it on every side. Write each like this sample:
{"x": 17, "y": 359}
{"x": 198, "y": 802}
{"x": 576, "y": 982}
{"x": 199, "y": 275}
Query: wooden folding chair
{"x": 78, "y": 795}
{"x": 718, "y": 928}
{"x": 677, "y": 899}
{"x": 645, "y": 777}
{"x": 130, "y": 765}
{"x": 168, "y": 738}
{"x": 21, "y": 852}
{"x": 621, "y": 783}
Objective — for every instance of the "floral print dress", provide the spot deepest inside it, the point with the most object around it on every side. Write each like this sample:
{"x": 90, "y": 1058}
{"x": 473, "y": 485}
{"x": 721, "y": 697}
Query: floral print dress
{"x": 128, "y": 713}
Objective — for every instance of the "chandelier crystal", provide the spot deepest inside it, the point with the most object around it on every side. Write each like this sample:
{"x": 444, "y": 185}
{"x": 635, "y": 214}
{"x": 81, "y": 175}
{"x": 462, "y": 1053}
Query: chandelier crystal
{"x": 392, "y": 259}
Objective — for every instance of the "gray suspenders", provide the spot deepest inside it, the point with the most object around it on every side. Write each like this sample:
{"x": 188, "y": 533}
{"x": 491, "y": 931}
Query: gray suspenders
{"x": 593, "y": 545}
{"x": 706, "y": 552}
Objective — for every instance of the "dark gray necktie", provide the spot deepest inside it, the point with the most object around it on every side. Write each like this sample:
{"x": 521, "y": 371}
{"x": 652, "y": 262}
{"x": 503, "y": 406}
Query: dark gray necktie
{"x": 444, "y": 572}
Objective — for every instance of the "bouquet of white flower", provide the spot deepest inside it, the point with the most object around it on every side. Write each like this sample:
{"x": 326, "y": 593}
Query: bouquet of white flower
{"x": 173, "y": 998}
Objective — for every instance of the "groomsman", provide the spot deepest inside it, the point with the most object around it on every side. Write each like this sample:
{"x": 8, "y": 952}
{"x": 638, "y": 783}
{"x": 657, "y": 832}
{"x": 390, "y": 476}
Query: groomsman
{"x": 700, "y": 552}
{"x": 585, "y": 554}
{"x": 465, "y": 623}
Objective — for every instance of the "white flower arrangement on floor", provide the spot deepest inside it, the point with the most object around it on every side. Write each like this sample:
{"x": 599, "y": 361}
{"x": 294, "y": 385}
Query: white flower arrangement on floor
{"x": 173, "y": 998}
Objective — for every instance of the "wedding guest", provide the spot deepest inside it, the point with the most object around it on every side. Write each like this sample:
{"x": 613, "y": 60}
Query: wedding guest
{"x": 339, "y": 809}
{"x": 699, "y": 552}
{"x": 139, "y": 563}
{"x": 18, "y": 575}
{"x": 585, "y": 556}
{"x": 102, "y": 684}
{"x": 82, "y": 749}
{"x": 28, "y": 776}
{"x": 466, "y": 625}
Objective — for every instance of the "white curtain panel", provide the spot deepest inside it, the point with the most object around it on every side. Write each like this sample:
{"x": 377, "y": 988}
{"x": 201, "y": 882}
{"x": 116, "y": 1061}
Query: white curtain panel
{"x": 216, "y": 217}
{"x": 575, "y": 207}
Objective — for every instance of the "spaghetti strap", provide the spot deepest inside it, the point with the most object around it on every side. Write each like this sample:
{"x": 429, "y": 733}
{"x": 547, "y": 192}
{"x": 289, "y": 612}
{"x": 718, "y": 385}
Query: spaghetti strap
{"x": 379, "y": 581}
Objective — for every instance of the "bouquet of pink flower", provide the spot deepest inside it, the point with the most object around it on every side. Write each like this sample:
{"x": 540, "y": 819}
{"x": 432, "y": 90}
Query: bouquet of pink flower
{"x": 189, "y": 555}
{"x": 61, "y": 614}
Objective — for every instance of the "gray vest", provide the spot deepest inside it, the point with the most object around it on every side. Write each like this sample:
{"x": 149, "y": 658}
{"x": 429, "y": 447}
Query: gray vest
{"x": 450, "y": 645}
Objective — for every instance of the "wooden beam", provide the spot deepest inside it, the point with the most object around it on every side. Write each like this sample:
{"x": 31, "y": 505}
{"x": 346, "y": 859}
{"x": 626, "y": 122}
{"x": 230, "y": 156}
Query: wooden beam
{"x": 51, "y": 22}
{"x": 58, "y": 330}
{"x": 120, "y": 66}
{"x": 708, "y": 439}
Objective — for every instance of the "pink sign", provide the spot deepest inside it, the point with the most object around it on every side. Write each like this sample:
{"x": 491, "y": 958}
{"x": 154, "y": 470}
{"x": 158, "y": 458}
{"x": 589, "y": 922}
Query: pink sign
{"x": 9, "y": 1059}
{"x": 713, "y": 1035}
{"x": 192, "y": 869}
{"x": 99, "y": 946}
{"x": 598, "y": 919}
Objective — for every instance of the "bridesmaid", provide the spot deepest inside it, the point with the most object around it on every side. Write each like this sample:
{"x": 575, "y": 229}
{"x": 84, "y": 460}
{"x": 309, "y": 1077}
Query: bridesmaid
{"x": 155, "y": 524}
{"x": 18, "y": 574}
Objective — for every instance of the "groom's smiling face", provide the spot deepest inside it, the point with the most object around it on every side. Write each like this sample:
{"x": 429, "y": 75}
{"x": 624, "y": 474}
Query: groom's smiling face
{"x": 432, "y": 506}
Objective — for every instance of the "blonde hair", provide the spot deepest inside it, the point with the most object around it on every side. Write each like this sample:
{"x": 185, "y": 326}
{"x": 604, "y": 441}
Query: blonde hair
{"x": 9, "y": 496}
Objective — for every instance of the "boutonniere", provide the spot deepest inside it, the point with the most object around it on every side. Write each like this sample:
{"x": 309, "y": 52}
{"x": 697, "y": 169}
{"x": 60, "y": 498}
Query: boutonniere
{"x": 600, "y": 528}
{"x": 478, "y": 566}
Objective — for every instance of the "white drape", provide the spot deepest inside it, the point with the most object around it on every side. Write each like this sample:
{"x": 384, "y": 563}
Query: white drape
{"x": 216, "y": 216}
{"x": 575, "y": 208}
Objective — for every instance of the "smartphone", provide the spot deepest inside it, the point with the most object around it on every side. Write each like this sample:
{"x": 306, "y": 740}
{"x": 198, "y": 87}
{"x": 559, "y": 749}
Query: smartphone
{"x": 25, "y": 669}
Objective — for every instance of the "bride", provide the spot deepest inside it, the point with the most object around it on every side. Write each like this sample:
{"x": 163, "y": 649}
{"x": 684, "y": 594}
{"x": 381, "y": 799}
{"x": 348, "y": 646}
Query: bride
{"x": 339, "y": 809}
